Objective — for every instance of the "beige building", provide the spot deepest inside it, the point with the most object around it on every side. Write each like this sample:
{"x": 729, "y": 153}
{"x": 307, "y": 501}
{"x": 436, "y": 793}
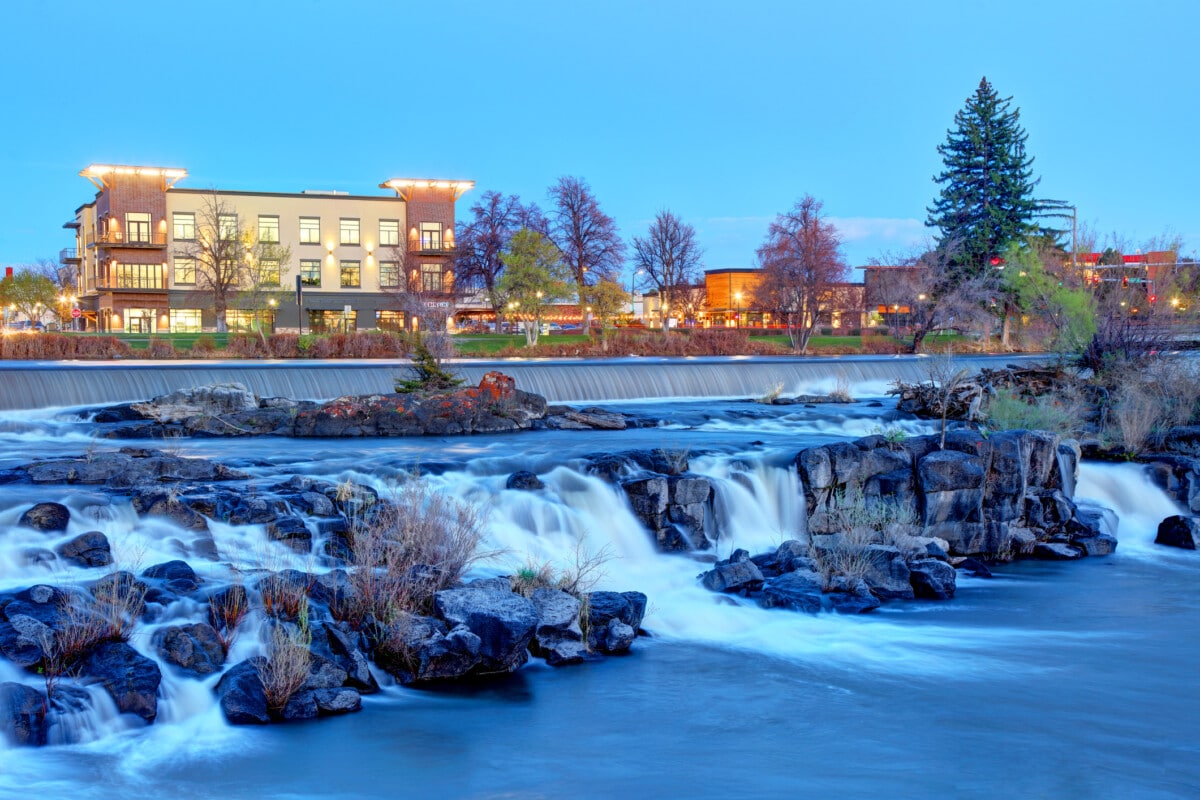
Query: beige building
{"x": 154, "y": 257}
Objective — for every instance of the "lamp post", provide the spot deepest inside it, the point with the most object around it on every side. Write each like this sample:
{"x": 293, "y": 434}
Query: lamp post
{"x": 738, "y": 296}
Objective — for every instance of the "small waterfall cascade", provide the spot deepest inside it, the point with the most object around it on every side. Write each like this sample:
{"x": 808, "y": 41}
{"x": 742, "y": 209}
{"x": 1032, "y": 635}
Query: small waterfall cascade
{"x": 35, "y": 385}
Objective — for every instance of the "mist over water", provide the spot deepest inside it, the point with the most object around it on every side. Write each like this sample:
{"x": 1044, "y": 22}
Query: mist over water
{"x": 1051, "y": 679}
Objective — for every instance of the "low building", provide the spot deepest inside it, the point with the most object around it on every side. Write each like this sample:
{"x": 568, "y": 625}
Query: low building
{"x": 731, "y": 302}
{"x": 149, "y": 254}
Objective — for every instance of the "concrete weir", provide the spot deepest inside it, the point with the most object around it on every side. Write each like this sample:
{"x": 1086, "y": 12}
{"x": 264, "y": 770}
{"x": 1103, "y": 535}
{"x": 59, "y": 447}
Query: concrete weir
{"x": 49, "y": 384}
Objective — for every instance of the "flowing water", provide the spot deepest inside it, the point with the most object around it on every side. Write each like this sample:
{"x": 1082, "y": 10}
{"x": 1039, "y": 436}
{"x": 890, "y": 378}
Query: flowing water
{"x": 1050, "y": 680}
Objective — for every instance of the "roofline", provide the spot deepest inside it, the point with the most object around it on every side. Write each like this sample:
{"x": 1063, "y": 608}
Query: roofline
{"x": 241, "y": 193}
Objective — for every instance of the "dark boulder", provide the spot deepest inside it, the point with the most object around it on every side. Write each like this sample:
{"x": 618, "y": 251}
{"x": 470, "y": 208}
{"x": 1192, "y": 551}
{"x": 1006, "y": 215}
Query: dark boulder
{"x": 242, "y": 698}
{"x": 129, "y": 677}
{"x": 343, "y": 700}
{"x": 418, "y": 649}
{"x": 799, "y": 590}
{"x": 558, "y": 637}
{"x": 341, "y": 648}
{"x": 1057, "y": 551}
{"x": 196, "y": 648}
{"x": 932, "y": 579}
{"x": 177, "y": 576}
{"x": 525, "y": 481}
{"x": 292, "y": 532}
{"x": 89, "y": 549}
{"x": 46, "y": 517}
{"x": 602, "y": 608}
{"x": 1179, "y": 531}
{"x": 314, "y": 504}
{"x": 742, "y": 576}
{"x": 503, "y": 621}
{"x": 155, "y": 502}
{"x": 22, "y": 714}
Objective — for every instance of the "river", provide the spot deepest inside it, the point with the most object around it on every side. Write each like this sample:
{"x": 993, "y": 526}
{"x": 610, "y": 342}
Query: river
{"x": 1049, "y": 680}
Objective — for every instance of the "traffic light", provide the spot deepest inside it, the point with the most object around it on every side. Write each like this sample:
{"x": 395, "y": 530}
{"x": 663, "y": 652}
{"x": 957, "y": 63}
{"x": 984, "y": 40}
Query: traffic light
{"x": 1153, "y": 297}
{"x": 1125, "y": 282}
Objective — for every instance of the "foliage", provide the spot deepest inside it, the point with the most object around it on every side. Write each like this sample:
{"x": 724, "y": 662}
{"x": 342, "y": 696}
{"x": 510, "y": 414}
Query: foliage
{"x": 670, "y": 256}
{"x": 802, "y": 269}
{"x": 1033, "y": 289}
{"x": 859, "y": 522}
{"x": 586, "y": 237}
{"x": 429, "y": 375}
{"x": 534, "y": 278}
{"x": 484, "y": 238}
{"x": 29, "y": 293}
{"x": 986, "y": 198}
{"x": 576, "y": 578}
{"x": 219, "y": 250}
{"x": 1060, "y": 412}
{"x": 264, "y": 280}
{"x": 605, "y": 301}
{"x": 945, "y": 377}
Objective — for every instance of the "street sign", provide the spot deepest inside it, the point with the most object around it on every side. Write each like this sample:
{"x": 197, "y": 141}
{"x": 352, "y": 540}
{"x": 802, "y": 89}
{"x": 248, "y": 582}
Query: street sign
{"x": 76, "y": 313}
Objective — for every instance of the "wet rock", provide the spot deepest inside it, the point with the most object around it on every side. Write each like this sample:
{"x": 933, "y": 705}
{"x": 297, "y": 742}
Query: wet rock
{"x": 37, "y": 556}
{"x": 242, "y": 698}
{"x": 799, "y": 590}
{"x": 524, "y": 481}
{"x": 1179, "y": 531}
{"x": 177, "y": 576}
{"x": 300, "y": 706}
{"x": 1056, "y": 551}
{"x": 195, "y": 648}
{"x": 744, "y": 576}
{"x": 849, "y": 595}
{"x": 23, "y": 715}
{"x": 227, "y": 606}
{"x": 503, "y": 621}
{"x": 618, "y": 637}
{"x": 932, "y": 579}
{"x": 314, "y": 504}
{"x": 331, "y": 702}
{"x": 89, "y": 549}
{"x": 124, "y": 589}
{"x": 46, "y": 517}
{"x": 887, "y": 573}
{"x": 155, "y": 502}
{"x": 558, "y": 637}
{"x": 293, "y": 533}
{"x": 129, "y": 677}
{"x": 597, "y": 419}
{"x": 341, "y": 648}
{"x": 418, "y": 649}
{"x": 975, "y": 568}
{"x": 603, "y": 607}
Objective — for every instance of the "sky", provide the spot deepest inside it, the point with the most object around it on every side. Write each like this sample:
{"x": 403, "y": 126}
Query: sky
{"x": 725, "y": 113}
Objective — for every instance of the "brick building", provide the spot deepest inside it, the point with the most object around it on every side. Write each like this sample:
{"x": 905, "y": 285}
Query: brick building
{"x": 144, "y": 245}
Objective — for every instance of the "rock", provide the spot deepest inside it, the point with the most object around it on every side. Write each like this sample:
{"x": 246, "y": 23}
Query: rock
{"x": 344, "y": 700}
{"x": 598, "y": 419}
{"x": 155, "y": 502}
{"x": 800, "y": 590}
{"x": 129, "y": 677}
{"x": 300, "y": 706}
{"x": 1179, "y": 531}
{"x": 558, "y": 637}
{"x": 637, "y": 609}
{"x": 603, "y": 607}
{"x": 292, "y": 532}
{"x": 504, "y": 622}
{"x": 21, "y": 640}
{"x": 951, "y": 484}
{"x": 340, "y": 647}
{"x": 227, "y": 606}
{"x": 185, "y": 405}
{"x": 46, "y": 517}
{"x": 887, "y": 573}
{"x": 196, "y": 648}
{"x": 932, "y": 579}
{"x": 524, "y": 481}
{"x": 744, "y": 576}
{"x": 89, "y": 549}
{"x": 314, "y": 504}
{"x": 851, "y": 596}
{"x": 1056, "y": 551}
{"x": 243, "y": 700}
{"x": 23, "y": 714}
{"x": 36, "y": 556}
{"x": 418, "y": 649}
{"x": 177, "y": 576}
{"x": 618, "y": 637}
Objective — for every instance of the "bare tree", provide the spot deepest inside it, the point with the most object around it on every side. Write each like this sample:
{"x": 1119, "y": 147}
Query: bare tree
{"x": 802, "y": 267}
{"x": 266, "y": 266}
{"x": 588, "y": 238}
{"x": 483, "y": 240}
{"x": 670, "y": 256}
{"x": 219, "y": 251}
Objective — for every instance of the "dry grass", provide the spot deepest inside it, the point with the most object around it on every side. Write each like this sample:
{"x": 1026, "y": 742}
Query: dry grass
{"x": 227, "y": 610}
{"x": 286, "y": 667}
{"x": 860, "y": 522}
{"x": 404, "y": 550}
{"x": 577, "y": 578}
{"x": 1136, "y": 416}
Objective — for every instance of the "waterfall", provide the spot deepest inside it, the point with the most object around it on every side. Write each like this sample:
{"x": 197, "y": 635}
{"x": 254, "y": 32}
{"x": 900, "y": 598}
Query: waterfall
{"x": 34, "y": 385}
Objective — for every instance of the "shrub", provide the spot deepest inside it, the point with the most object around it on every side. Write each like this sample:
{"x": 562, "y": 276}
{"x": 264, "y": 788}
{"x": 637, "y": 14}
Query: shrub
{"x": 429, "y": 376}
{"x": 577, "y": 578}
{"x": 284, "y": 345}
{"x": 160, "y": 348}
{"x": 227, "y": 610}
{"x": 1136, "y": 416}
{"x": 99, "y": 347}
{"x": 286, "y": 667}
{"x": 1061, "y": 413}
{"x": 204, "y": 346}
{"x": 246, "y": 346}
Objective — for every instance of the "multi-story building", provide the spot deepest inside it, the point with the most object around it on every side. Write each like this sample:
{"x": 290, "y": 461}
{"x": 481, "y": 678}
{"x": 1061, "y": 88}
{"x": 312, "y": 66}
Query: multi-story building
{"x": 151, "y": 255}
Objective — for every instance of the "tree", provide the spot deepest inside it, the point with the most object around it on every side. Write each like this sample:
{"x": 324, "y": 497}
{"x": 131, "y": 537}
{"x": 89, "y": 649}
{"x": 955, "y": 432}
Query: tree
{"x": 802, "y": 267}
{"x": 219, "y": 252}
{"x": 29, "y": 293}
{"x": 986, "y": 200}
{"x": 1048, "y": 293}
{"x": 264, "y": 280}
{"x": 670, "y": 255}
{"x": 534, "y": 278}
{"x": 588, "y": 239}
{"x": 65, "y": 278}
{"x": 483, "y": 240}
{"x": 605, "y": 301}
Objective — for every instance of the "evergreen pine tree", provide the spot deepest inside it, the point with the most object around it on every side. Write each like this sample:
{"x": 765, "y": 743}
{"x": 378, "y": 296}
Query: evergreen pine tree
{"x": 986, "y": 200}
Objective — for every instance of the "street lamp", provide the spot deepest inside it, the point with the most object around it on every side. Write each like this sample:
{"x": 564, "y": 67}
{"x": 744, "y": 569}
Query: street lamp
{"x": 738, "y": 316}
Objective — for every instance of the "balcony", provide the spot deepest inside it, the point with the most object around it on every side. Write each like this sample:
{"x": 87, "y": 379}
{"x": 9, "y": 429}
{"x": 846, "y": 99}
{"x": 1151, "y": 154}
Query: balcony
{"x": 431, "y": 247}
{"x": 69, "y": 255}
{"x": 121, "y": 239}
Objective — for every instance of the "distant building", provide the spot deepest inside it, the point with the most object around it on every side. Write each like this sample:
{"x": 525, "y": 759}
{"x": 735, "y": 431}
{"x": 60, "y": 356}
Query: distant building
{"x": 731, "y": 302}
{"x": 360, "y": 259}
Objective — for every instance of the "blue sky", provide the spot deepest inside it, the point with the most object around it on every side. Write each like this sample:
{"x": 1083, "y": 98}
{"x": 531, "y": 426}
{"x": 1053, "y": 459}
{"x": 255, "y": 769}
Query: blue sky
{"x": 724, "y": 113}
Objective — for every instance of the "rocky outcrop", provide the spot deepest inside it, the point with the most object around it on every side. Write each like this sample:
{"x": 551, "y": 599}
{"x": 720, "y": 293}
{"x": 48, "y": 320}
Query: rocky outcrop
{"x": 613, "y": 620}
{"x": 676, "y": 509}
{"x": 504, "y": 622}
{"x": 46, "y": 517}
{"x": 89, "y": 549}
{"x": 242, "y": 697}
{"x": 193, "y": 648}
{"x": 128, "y": 467}
{"x": 558, "y": 637}
{"x": 1178, "y": 476}
{"x": 1179, "y": 531}
{"x": 22, "y": 714}
{"x": 128, "y": 676}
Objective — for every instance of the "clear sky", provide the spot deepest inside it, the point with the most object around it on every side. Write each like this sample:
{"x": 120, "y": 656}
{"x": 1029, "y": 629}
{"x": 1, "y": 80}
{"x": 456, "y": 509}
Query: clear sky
{"x": 723, "y": 112}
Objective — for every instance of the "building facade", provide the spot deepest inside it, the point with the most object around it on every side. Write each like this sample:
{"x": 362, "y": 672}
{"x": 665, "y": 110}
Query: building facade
{"x": 731, "y": 302}
{"x": 153, "y": 257}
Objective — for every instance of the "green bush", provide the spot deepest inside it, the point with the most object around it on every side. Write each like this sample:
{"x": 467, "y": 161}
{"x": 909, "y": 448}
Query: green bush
{"x": 1063, "y": 414}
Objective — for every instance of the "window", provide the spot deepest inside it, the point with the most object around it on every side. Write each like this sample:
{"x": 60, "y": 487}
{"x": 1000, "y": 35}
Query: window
{"x": 268, "y": 229}
{"x": 389, "y": 275}
{"x": 349, "y": 231}
{"x": 389, "y": 320}
{"x": 137, "y": 228}
{"x": 185, "y": 228}
{"x": 237, "y": 319}
{"x": 185, "y": 320}
{"x": 389, "y": 232}
{"x": 268, "y": 272}
{"x": 431, "y": 236}
{"x": 310, "y": 272}
{"x": 136, "y": 276}
{"x": 140, "y": 320}
{"x": 351, "y": 274}
{"x": 431, "y": 277}
{"x": 185, "y": 274}
{"x": 332, "y": 321}
{"x": 310, "y": 230}
{"x": 227, "y": 226}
